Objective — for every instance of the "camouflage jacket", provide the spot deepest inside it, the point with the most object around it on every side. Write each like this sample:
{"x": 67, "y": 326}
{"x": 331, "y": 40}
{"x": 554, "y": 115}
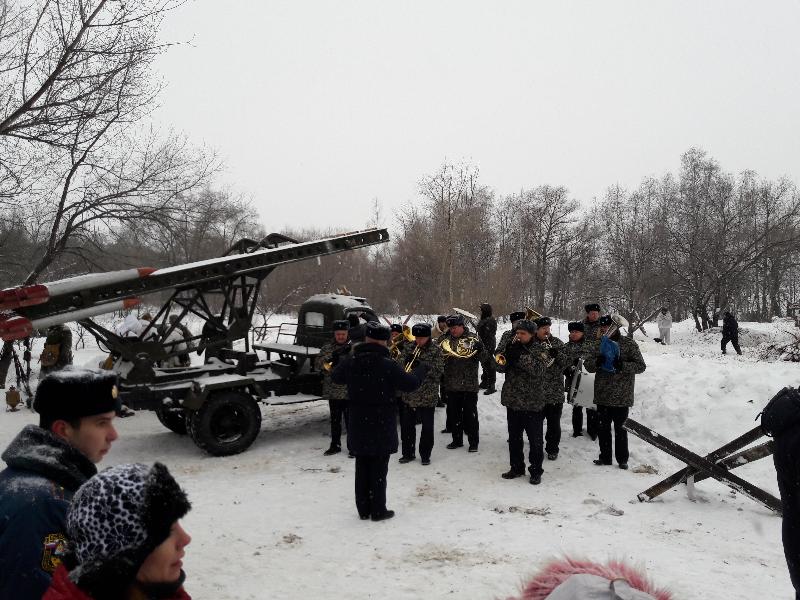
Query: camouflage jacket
{"x": 521, "y": 388}
{"x": 461, "y": 374}
{"x": 616, "y": 389}
{"x": 575, "y": 351}
{"x": 504, "y": 339}
{"x": 591, "y": 332}
{"x": 428, "y": 392}
{"x": 331, "y": 390}
{"x": 551, "y": 382}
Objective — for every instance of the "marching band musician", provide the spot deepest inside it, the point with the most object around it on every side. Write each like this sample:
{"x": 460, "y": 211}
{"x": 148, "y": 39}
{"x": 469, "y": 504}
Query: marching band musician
{"x": 441, "y": 327}
{"x": 617, "y": 361}
{"x": 397, "y": 341}
{"x": 330, "y": 354}
{"x": 461, "y": 385}
{"x": 523, "y": 398}
{"x": 577, "y": 349}
{"x": 592, "y": 322}
{"x": 507, "y": 336}
{"x": 552, "y": 383}
{"x": 420, "y": 404}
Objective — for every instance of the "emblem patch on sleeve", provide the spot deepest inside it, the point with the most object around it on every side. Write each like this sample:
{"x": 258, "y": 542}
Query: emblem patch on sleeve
{"x": 55, "y": 544}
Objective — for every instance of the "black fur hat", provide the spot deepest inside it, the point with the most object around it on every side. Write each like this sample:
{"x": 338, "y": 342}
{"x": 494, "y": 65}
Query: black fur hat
{"x": 396, "y": 328}
{"x": 441, "y": 319}
{"x": 116, "y": 519}
{"x": 605, "y": 320}
{"x": 340, "y": 325}
{"x": 576, "y": 326}
{"x": 592, "y": 306}
{"x": 516, "y": 315}
{"x": 376, "y": 331}
{"x": 455, "y": 320}
{"x": 543, "y": 322}
{"x": 421, "y": 330}
{"x": 73, "y": 392}
{"x": 525, "y": 325}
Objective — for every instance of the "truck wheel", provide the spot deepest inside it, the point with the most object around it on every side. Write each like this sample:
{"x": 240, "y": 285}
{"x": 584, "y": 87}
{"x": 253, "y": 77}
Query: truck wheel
{"x": 227, "y": 423}
{"x": 173, "y": 419}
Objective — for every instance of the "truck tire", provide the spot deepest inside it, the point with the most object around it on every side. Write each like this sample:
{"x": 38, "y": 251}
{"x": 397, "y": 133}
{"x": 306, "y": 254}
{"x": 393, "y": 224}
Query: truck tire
{"x": 173, "y": 419}
{"x": 227, "y": 423}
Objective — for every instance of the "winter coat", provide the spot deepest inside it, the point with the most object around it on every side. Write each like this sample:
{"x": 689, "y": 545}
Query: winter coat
{"x": 664, "y": 321}
{"x": 461, "y": 374}
{"x": 730, "y": 326}
{"x": 487, "y": 332}
{"x": 575, "y": 351}
{"x": 616, "y": 389}
{"x": 332, "y": 352}
{"x": 61, "y": 336}
{"x": 372, "y": 380}
{"x": 591, "y": 332}
{"x": 551, "y": 380}
{"x": 428, "y": 392}
{"x": 521, "y": 388}
{"x": 63, "y": 588}
{"x": 43, "y": 473}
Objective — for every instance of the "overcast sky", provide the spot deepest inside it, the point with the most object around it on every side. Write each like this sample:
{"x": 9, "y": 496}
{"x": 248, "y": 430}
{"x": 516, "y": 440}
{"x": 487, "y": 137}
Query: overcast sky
{"x": 319, "y": 107}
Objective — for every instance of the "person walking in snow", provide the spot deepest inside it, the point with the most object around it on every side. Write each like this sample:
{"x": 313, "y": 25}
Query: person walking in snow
{"x": 730, "y": 332}
{"x": 46, "y": 465}
{"x": 592, "y": 322}
{"x": 372, "y": 379}
{"x": 664, "y": 322}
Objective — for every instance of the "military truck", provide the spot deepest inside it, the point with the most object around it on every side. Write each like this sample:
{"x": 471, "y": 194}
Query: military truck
{"x": 217, "y": 403}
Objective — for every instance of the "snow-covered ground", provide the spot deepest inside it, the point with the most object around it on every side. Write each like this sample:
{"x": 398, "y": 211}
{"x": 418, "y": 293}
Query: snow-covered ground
{"x": 279, "y": 521}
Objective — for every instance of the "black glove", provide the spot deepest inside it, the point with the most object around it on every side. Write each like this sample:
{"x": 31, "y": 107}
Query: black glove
{"x": 553, "y": 352}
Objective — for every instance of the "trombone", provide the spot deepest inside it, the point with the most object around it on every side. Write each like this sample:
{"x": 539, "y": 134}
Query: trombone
{"x": 414, "y": 356}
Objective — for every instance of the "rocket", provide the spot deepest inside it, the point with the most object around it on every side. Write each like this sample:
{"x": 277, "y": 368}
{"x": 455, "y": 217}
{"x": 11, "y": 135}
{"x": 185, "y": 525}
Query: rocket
{"x": 31, "y": 295}
{"x": 17, "y": 327}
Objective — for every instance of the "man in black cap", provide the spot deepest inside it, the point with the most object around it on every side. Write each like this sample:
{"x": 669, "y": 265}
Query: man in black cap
{"x": 487, "y": 332}
{"x": 461, "y": 383}
{"x": 372, "y": 379}
{"x": 420, "y": 404}
{"x": 509, "y": 335}
{"x": 617, "y": 362}
{"x": 524, "y": 401}
{"x": 576, "y": 348}
{"x": 396, "y": 340}
{"x": 592, "y": 322}
{"x": 551, "y": 352}
{"x": 441, "y": 327}
{"x": 46, "y": 465}
{"x": 327, "y": 360}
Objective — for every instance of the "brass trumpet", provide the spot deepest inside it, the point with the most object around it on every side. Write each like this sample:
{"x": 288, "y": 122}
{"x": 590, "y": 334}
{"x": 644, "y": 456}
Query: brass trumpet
{"x": 406, "y": 336}
{"x": 466, "y": 347}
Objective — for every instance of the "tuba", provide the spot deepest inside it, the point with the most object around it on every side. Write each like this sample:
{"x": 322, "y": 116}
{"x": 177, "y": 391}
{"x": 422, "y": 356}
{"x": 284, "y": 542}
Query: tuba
{"x": 531, "y": 315}
{"x": 464, "y": 347}
{"x": 617, "y": 323}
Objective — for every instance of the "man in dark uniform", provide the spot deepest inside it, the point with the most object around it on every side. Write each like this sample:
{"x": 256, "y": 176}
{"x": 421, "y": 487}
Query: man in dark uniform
{"x": 420, "y": 404}
{"x": 730, "y": 332}
{"x": 461, "y": 385}
{"x": 57, "y": 351}
{"x": 781, "y": 420}
{"x": 576, "y": 349}
{"x": 46, "y": 465}
{"x": 524, "y": 401}
{"x": 617, "y": 362}
{"x": 397, "y": 341}
{"x": 327, "y": 360}
{"x": 487, "y": 332}
{"x": 591, "y": 323}
{"x": 372, "y": 380}
{"x": 551, "y": 383}
{"x": 436, "y": 334}
{"x": 515, "y": 317}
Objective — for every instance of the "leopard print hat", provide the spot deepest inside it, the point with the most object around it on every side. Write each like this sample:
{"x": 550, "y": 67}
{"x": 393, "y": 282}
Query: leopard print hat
{"x": 117, "y": 518}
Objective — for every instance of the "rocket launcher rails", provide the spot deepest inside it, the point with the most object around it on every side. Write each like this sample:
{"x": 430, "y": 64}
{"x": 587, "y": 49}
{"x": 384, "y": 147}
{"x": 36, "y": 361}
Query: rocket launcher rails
{"x": 97, "y": 293}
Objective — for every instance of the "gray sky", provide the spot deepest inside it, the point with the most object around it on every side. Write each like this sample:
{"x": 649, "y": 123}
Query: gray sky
{"x": 319, "y": 107}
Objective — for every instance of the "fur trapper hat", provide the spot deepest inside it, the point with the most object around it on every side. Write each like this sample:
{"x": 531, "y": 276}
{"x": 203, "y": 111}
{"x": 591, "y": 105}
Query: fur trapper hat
{"x": 116, "y": 520}
{"x": 73, "y": 392}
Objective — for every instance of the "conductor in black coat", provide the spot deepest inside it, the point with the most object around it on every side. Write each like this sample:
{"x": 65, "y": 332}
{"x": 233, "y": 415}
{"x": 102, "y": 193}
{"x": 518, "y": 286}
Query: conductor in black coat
{"x": 373, "y": 380}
